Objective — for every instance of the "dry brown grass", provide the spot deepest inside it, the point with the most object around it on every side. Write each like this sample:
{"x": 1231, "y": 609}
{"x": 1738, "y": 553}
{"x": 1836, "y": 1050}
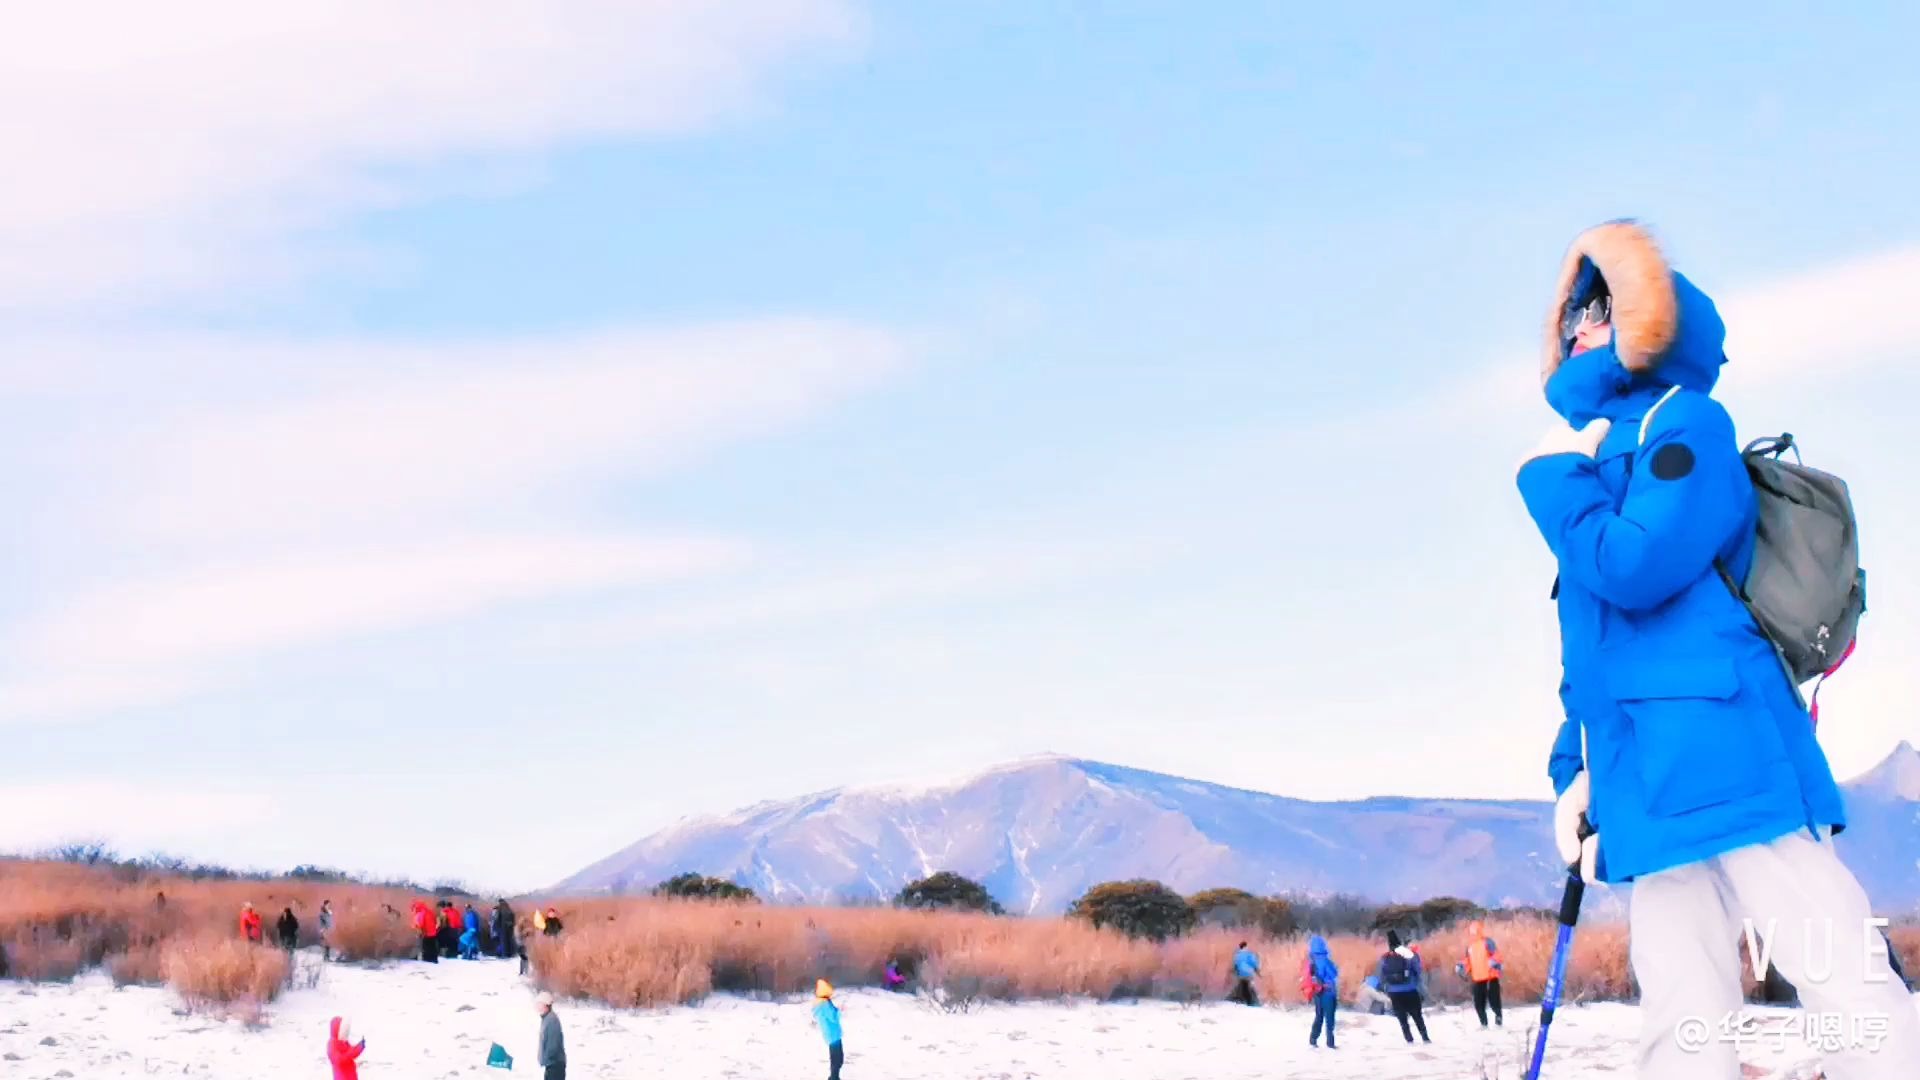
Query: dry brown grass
{"x": 647, "y": 953}
{"x": 1906, "y": 942}
{"x": 57, "y": 921}
{"x": 140, "y": 965}
{"x": 370, "y": 933}
{"x": 222, "y": 972}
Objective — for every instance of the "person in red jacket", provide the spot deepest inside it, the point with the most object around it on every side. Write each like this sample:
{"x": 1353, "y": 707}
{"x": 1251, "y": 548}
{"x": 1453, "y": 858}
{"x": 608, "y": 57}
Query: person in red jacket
{"x": 423, "y": 923}
{"x": 343, "y": 1055}
{"x": 250, "y": 923}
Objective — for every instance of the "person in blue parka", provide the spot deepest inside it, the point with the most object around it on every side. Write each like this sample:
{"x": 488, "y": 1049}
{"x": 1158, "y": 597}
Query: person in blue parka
{"x": 1320, "y": 984}
{"x": 1685, "y": 744}
{"x": 1246, "y": 967}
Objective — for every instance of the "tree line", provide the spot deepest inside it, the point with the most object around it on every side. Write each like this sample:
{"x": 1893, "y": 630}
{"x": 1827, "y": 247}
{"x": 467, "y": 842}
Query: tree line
{"x": 1152, "y": 910}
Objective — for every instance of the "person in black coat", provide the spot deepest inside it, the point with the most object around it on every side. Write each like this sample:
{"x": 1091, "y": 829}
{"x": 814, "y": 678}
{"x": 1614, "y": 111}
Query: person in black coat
{"x": 502, "y": 930}
{"x": 289, "y": 930}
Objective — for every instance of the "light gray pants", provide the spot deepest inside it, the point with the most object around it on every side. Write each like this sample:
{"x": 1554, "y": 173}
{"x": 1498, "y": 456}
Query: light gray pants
{"x": 1686, "y": 926}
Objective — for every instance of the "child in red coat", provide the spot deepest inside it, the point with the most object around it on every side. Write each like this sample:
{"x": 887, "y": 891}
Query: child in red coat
{"x": 344, "y": 1056}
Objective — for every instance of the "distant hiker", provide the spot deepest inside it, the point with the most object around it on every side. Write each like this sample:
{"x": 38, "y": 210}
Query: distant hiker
{"x": 1246, "y": 965}
{"x": 160, "y": 901}
{"x": 326, "y": 929}
{"x": 423, "y": 924}
{"x": 1320, "y": 984}
{"x": 892, "y": 977}
{"x": 1481, "y": 966}
{"x": 553, "y": 922}
{"x": 289, "y": 930}
{"x": 826, "y": 1016}
{"x": 470, "y": 934}
{"x": 502, "y": 929}
{"x": 250, "y": 924}
{"x": 341, "y": 1052}
{"x": 1400, "y": 979}
{"x": 1370, "y": 995}
{"x": 1686, "y": 745}
{"x": 448, "y": 921}
{"x": 553, "y": 1046}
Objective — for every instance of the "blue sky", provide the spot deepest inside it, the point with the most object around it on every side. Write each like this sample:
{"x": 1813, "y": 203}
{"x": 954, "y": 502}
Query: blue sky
{"x": 661, "y": 408}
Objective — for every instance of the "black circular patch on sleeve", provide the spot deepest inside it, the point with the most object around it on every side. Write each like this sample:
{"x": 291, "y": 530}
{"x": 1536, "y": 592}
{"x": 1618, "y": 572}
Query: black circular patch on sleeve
{"x": 1672, "y": 462}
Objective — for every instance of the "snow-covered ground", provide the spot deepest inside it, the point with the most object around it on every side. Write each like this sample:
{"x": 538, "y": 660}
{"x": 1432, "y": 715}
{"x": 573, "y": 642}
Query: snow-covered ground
{"x": 424, "y": 1021}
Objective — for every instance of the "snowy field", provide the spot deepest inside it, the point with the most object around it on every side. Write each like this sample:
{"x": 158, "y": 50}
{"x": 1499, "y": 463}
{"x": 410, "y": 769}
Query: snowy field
{"x": 422, "y": 1022}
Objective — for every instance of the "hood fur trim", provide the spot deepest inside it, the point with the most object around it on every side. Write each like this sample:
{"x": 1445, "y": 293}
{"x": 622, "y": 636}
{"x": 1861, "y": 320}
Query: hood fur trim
{"x": 1646, "y": 313}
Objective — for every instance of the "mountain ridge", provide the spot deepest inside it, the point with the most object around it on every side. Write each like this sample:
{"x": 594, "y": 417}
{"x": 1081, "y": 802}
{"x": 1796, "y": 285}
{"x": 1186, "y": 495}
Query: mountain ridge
{"x": 1038, "y": 830}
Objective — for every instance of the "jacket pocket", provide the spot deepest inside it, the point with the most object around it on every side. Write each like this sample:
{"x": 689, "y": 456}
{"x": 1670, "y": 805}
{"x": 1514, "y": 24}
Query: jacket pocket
{"x": 1696, "y": 742}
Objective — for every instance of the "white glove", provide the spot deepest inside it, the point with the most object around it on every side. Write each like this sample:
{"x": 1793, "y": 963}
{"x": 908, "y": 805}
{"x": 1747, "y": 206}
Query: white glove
{"x": 1562, "y": 439}
{"x": 1567, "y": 812}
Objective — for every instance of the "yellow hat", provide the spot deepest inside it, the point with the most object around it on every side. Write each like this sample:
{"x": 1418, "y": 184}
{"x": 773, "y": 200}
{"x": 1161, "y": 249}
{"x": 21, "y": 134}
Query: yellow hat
{"x": 822, "y": 989}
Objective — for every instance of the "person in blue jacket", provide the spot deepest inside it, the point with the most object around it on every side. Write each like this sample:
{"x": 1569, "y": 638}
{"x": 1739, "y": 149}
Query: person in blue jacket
{"x": 470, "y": 934}
{"x": 1246, "y": 965}
{"x": 826, "y": 1017}
{"x": 1320, "y": 980}
{"x": 1685, "y": 744}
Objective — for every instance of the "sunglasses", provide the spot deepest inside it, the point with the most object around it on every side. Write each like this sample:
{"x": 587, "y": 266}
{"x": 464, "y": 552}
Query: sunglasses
{"x": 1594, "y": 312}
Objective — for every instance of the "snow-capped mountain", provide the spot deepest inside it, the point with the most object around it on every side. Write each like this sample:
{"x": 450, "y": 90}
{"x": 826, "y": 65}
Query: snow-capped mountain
{"x": 1038, "y": 832}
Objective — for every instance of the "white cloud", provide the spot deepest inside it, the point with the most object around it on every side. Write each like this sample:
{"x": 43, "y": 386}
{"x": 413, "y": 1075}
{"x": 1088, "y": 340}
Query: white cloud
{"x": 156, "y": 639}
{"x": 171, "y": 147}
{"x": 268, "y": 495}
{"x": 131, "y": 817}
{"x": 464, "y": 427}
{"x": 1838, "y": 316}
{"x": 1833, "y": 318}
{"x": 929, "y": 578}
{"x": 229, "y": 611}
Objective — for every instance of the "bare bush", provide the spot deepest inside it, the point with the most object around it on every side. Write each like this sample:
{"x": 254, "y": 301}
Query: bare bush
{"x": 224, "y": 972}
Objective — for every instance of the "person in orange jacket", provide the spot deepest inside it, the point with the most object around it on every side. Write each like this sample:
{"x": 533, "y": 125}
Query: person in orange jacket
{"x": 250, "y": 923}
{"x": 1481, "y": 965}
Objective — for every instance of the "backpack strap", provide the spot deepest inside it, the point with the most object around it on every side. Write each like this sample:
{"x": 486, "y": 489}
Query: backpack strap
{"x": 1646, "y": 422}
{"x": 1813, "y": 707}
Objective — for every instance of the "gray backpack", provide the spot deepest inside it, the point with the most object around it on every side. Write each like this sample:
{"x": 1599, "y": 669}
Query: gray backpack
{"x": 1805, "y": 590}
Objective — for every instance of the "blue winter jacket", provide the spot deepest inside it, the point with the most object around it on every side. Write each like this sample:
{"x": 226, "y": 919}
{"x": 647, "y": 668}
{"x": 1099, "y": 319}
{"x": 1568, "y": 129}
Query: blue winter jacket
{"x": 1245, "y": 964}
{"x": 1695, "y": 736}
{"x": 1320, "y": 962}
{"x": 472, "y": 920}
{"x": 827, "y": 1015}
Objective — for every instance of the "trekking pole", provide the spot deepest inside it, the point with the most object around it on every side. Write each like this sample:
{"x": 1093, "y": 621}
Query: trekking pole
{"x": 1570, "y": 898}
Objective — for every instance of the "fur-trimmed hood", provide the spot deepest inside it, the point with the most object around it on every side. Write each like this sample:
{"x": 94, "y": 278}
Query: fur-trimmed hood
{"x": 1666, "y": 332}
{"x": 1657, "y": 313}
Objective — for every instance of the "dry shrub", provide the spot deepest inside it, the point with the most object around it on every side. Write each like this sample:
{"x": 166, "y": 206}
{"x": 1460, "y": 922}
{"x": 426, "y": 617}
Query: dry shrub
{"x": 656, "y": 966}
{"x": 372, "y": 933}
{"x": 47, "y": 959}
{"x": 141, "y": 965}
{"x": 221, "y": 972}
{"x": 1906, "y": 942}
